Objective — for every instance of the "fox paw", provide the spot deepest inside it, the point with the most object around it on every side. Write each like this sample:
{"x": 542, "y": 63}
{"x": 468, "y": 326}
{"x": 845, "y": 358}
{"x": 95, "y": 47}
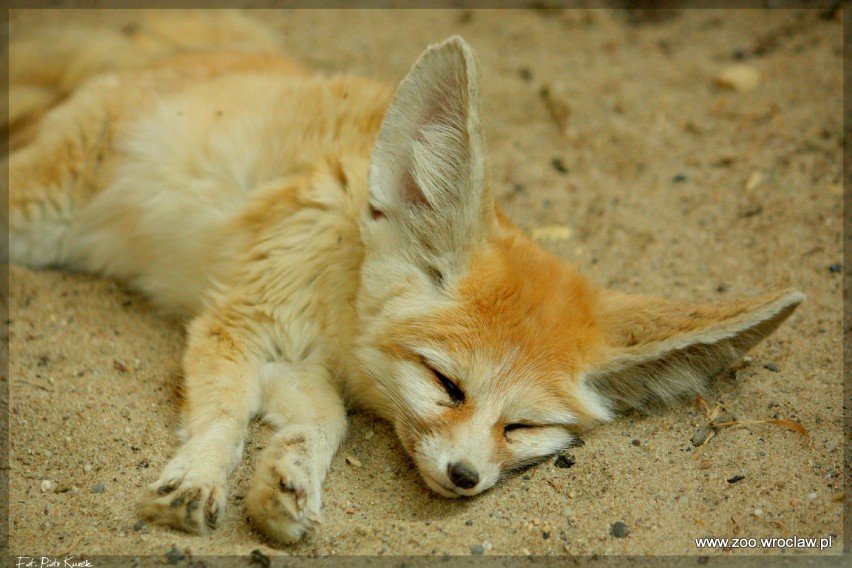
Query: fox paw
{"x": 185, "y": 499}
{"x": 283, "y": 502}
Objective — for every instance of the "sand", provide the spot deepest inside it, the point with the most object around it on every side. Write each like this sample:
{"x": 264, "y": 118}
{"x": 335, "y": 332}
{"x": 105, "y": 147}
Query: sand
{"x": 660, "y": 181}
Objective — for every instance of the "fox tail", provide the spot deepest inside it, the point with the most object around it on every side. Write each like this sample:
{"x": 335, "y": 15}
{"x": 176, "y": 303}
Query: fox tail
{"x": 47, "y": 64}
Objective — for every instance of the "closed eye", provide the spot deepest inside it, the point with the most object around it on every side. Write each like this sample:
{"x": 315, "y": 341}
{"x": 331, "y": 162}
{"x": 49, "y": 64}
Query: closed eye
{"x": 453, "y": 391}
{"x": 509, "y": 428}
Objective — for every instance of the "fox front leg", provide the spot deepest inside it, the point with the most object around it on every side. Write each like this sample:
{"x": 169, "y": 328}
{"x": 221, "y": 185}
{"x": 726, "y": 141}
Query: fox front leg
{"x": 285, "y": 495}
{"x": 222, "y": 393}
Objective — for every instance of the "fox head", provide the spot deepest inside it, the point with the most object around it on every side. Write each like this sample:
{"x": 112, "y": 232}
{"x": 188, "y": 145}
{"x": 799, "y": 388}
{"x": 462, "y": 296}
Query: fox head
{"x": 484, "y": 351}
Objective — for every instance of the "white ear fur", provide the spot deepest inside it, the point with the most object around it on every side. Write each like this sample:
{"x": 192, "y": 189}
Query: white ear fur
{"x": 428, "y": 174}
{"x": 663, "y": 350}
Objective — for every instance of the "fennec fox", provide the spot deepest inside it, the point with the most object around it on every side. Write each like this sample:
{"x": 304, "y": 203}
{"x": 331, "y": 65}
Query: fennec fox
{"x": 332, "y": 239}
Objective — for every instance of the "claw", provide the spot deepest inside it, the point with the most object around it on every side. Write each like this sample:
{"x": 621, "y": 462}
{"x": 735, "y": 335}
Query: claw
{"x": 211, "y": 519}
{"x": 314, "y": 517}
{"x": 211, "y": 516}
{"x": 168, "y": 487}
{"x": 301, "y": 498}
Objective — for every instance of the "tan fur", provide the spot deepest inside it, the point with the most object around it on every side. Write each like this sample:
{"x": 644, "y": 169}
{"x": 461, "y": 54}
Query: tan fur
{"x": 327, "y": 237}
{"x": 52, "y": 62}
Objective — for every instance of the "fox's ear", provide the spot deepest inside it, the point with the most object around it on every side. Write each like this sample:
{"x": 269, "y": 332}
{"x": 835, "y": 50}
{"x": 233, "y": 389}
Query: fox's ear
{"x": 428, "y": 174}
{"x": 661, "y": 350}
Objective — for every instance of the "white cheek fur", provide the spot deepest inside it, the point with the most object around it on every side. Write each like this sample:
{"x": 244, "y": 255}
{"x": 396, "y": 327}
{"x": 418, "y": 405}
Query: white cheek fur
{"x": 595, "y": 404}
{"x": 527, "y": 445}
{"x": 420, "y": 394}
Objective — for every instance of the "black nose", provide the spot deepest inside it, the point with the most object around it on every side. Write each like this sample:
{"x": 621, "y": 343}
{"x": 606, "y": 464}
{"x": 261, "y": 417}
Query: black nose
{"x": 463, "y": 475}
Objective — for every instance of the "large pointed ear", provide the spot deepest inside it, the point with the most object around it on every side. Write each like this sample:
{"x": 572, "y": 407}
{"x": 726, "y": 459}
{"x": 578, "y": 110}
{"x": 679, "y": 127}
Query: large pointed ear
{"x": 428, "y": 174}
{"x": 661, "y": 350}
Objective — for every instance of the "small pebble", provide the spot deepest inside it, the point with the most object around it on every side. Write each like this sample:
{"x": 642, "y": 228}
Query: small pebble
{"x": 174, "y": 555}
{"x": 736, "y": 478}
{"x": 564, "y": 461}
{"x": 795, "y": 501}
{"x": 487, "y": 545}
{"x": 369, "y": 435}
{"x": 812, "y": 496}
{"x": 701, "y": 435}
{"x": 739, "y": 77}
{"x": 753, "y": 181}
{"x": 772, "y": 367}
{"x": 477, "y": 549}
{"x": 636, "y": 442}
{"x": 835, "y": 268}
{"x": 468, "y": 522}
{"x": 259, "y": 558}
{"x": 139, "y": 525}
{"x": 758, "y": 513}
{"x": 559, "y": 165}
{"x": 619, "y": 530}
{"x": 353, "y": 462}
{"x": 99, "y": 488}
{"x": 47, "y": 486}
{"x": 680, "y": 178}
{"x": 751, "y": 211}
{"x": 552, "y": 233}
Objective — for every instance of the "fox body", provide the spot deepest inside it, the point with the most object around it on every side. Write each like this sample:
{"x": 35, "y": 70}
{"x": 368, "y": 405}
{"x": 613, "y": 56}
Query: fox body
{"x": 331, "y": 239}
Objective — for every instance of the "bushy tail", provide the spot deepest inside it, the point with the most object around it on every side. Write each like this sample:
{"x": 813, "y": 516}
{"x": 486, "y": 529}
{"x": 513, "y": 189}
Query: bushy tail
{"x": 47, "y": 64}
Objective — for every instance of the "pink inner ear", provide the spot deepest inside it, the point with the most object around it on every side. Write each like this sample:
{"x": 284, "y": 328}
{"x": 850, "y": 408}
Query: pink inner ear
{"x": 438, "y": 112}
{"x": 412, "y": 195}
{"x": 446, "y": 106}
{"x": 376, "y": 214}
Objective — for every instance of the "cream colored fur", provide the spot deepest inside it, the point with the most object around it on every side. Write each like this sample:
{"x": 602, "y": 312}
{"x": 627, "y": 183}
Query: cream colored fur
{"x": 327, "y": 238}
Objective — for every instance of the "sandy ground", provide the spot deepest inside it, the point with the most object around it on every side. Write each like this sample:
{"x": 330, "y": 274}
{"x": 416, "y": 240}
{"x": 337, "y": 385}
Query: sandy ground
{"x": 667, "y": 183}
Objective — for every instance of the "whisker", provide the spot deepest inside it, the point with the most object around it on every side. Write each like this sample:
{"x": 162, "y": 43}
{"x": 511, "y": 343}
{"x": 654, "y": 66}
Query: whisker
{"x": 520, "y": 467}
